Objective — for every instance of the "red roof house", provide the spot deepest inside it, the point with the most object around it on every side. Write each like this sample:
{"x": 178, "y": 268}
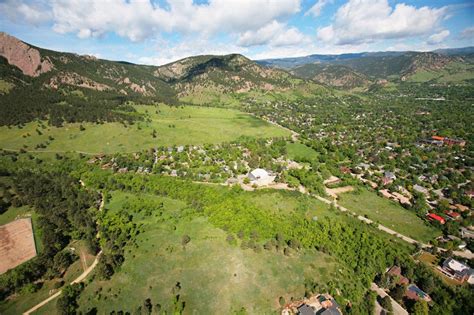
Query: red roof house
{"x": 453, "y": 215}
{"x": 435, "y": 217}
{"x": 437, "y": 138}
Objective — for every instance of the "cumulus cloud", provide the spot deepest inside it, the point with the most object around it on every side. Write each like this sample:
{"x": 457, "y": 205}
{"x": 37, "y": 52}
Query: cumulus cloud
{"x": 438, "y": 37}
{"x": 32, "y": 13}
{"x": 318, "y": 7}
{"x": 274, "y": 34}
{"x": 140, "y": 19}
{"x": 364, "y": 21}
{"x": 467, "y": 33}
{"x": 168, "y": 52}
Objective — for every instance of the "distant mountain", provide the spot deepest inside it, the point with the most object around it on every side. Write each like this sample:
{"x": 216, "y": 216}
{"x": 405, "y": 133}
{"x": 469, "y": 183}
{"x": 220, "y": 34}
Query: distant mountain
{"x": 333, "y": 75}
{"x": 41, "y": 82}
{"x": 421, "y": 66}
{"x": 222, "y": 75}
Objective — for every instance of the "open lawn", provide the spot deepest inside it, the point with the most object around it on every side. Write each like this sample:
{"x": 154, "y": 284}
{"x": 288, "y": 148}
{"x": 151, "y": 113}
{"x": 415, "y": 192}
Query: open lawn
{"x": 298, "y": 152}
{"x": 215, "y": 277}
{"x": 173, "y": 126}
{"x": 289, "y": 202}
{"x": 388, "y": 213}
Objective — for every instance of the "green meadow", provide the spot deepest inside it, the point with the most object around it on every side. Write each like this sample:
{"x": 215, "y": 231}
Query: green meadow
{"x": 214, "y": 276}
{"x": 298, "y": 151}
{"x": 389, "y": 214}
{"x": 171, "y": 125}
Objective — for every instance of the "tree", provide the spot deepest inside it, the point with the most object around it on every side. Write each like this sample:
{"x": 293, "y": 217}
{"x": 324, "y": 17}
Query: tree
{"x": 420, "y": 308}
{"x": 386, "y": 303}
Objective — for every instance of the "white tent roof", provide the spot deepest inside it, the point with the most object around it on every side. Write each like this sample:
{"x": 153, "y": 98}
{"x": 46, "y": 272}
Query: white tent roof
{"x": 259, "y": 173}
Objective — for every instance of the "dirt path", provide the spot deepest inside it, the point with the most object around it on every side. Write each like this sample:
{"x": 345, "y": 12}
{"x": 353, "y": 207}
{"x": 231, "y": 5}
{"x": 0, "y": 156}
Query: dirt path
{"x": 83, "y": 259}
{"x": 77, "y": 280}
{"x": 81, "y": 278}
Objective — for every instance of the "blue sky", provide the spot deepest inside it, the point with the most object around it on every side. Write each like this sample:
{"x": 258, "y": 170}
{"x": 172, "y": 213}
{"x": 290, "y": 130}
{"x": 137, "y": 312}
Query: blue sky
{"x": 161, "y": 31}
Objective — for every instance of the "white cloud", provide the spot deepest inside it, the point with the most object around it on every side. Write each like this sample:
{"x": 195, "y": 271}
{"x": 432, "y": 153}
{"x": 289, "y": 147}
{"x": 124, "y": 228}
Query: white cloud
{"x": 35, "y": 14}
{"x": 139, "y": 19}
{"x": 438, "y": 37}
{"x": 316, "y": 9}
{"x": 274, "y": 34}
{"x": 168, "y": 52}
{"x": 363, "y": 21}
{"x": 467, "y": 33}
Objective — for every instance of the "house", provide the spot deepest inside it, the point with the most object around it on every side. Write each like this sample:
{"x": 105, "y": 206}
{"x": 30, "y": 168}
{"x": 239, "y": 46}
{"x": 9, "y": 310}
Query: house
{"x": 435, "y": 217}
{"x": 396, "y": 272}
{"x": 457, "y": 270}
{"x": 466, "y": 233}
{"x": 388, "y": 178}
{"x": 259, "y": 176}
{"x": 420, "y": 189}
{"x": 415, "y": 293}
{"x": 321, "y": 304}
{"x": 453, "y": 215}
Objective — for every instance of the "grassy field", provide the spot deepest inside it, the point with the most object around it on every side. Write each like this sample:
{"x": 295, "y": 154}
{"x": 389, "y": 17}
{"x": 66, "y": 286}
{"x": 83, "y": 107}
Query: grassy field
{"x": 298, "y": 151}
{"x": 215, "y": 277}
{"x": 173, "y": 125}
{"x": 454, "y": 72}
{"x": 289, "y": 202}
{"x": 388, "y": 213}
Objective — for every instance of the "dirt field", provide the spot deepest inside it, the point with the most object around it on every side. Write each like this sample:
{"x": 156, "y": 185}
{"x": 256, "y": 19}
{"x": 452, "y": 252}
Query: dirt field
{"x": 17, "y": 244}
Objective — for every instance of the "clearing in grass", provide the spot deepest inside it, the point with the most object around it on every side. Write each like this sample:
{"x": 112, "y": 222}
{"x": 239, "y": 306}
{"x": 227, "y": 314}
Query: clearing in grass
{"x": 389, "y": 214}
{"x": 300, "y": 152}
{"x": 162, "y": 126}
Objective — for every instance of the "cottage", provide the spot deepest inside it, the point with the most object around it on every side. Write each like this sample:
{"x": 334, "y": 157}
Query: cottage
{"x": 458, "y": 270}
{"x": 415, "y": 293}
{"x": 435, "y": 217}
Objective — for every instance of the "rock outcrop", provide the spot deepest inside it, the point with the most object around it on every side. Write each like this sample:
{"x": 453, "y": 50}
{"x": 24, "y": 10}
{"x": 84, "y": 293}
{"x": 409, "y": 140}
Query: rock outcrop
{"x": 72, "y": 78}
{"x": 26, "y": 58}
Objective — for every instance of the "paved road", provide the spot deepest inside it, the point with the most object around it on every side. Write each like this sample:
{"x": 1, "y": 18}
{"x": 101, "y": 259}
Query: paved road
{"x": 397, "y": 308}
{"x": 77, "y": 280}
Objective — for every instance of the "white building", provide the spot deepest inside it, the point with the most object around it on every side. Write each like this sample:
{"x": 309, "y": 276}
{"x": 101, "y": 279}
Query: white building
{"x": 260, "y": 177}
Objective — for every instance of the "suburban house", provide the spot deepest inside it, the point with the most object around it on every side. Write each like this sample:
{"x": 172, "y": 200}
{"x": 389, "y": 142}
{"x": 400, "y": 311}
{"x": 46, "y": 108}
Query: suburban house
{"x": 420, "y": 189}
{"x": 449, "y": 141}
{"x": 320, "y": 304}
{"x": 435, "y": 217}
{"x": 415, "y": 293}
{"x": 259, "y": 176}
{"x": 396, "y": 272}
{"x": 388, "y": 178}
{"x": 453, "y": 215}
{"x": 458, "y": 270}
{"x": 466, "y": 233}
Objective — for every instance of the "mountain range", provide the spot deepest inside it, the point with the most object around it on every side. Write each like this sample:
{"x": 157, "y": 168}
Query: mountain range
{"x": 210, "y": 79}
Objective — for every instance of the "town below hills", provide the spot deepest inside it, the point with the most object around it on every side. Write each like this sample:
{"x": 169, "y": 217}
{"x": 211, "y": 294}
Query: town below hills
{"x": 325, "y": 184}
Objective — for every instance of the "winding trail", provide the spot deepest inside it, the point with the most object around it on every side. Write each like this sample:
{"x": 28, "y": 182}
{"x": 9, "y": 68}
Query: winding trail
{"x": 79, "y": 279}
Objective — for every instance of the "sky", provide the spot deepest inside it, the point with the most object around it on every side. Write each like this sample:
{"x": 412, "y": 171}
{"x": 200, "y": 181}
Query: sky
{"x": 161, "y": 31}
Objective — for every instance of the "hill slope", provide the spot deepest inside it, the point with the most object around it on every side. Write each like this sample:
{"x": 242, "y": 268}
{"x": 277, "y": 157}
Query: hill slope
{"x": 61, "y": 86}
{"x": 333, "y": 75}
